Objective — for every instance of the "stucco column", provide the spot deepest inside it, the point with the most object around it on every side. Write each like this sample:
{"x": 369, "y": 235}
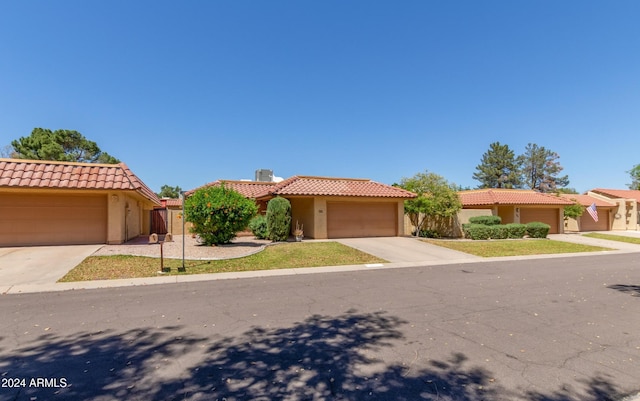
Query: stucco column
{"x": 320, "y": 218}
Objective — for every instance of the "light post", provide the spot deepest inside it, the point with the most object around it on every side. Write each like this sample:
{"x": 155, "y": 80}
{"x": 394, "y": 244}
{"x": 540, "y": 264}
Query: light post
{"x": 182, "y": 269}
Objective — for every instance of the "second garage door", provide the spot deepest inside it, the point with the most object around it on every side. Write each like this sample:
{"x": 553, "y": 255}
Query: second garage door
{"x": 588, "y": 224}
{"x": 547, "y": 216}
{"x": 36, "y": 219}
{"x": 366, "y": 219}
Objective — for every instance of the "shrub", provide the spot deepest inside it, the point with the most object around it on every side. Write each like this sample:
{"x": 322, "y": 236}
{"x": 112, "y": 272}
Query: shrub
{"x": 515, "y": 230}
{"x": 477, "y": 231}
{"x": 279, "y": 219}
{"x": 498, "y": 231}
{"x": 486, "y": 220}
{"x": 218, "y": 213}
{"x": 258, "y": 226}
{"x": 538, "y": 230}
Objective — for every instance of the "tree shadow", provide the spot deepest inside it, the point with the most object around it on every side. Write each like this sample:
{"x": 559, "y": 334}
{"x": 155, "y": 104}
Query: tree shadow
{"x": 320, "y": 358}
{"x": 633, "y": 290}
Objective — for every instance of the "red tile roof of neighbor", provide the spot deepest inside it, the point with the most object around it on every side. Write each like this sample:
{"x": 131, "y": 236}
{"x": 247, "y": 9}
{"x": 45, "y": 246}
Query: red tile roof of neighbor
{"x": 315, "y": 186}
{"x": 19, "y": 173}
{"x": 586, "y": 200}
{"x": 481, "y": 197}
{"x": 619, "y": 193}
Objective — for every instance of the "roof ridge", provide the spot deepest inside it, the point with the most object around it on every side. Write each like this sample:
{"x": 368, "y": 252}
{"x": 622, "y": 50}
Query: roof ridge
{"x": 59, "y": 162}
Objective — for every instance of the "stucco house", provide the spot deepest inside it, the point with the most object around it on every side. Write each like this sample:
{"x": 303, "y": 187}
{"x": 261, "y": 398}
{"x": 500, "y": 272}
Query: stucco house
{"x": 59, "y": 203}
{"x": 515, "y": 206}
{"x": 626, "y": 213}
{"x": 333, "y": 207}
{"x": 585, "y": 222}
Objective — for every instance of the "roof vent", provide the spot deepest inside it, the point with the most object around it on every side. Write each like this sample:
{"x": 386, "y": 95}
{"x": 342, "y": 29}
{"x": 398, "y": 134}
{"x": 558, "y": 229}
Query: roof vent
{"x": 264, "y": 175}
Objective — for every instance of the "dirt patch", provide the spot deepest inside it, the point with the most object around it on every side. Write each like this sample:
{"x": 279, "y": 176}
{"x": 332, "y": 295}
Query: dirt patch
{"x": 241, "y": 246}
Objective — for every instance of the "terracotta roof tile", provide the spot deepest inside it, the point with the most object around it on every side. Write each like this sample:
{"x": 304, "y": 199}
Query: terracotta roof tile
{"x": 619, "y": 193}
{"x": 249, "y": 189}
{"x": 495, "y": 196}
{"x": 586, "y": 200}
{"x": 325, "y": 186}
{"x": 20, "y": 173}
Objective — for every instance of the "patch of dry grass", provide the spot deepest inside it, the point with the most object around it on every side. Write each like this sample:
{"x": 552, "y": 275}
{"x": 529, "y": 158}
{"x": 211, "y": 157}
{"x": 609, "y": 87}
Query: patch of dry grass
{"x": 611, "y": 237}
{"x": 279, "y": 256}
{"x": 495, "y": 248}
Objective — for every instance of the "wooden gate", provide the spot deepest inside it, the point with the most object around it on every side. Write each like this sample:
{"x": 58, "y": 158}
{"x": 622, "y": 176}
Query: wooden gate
{"x": 159, "y": 221}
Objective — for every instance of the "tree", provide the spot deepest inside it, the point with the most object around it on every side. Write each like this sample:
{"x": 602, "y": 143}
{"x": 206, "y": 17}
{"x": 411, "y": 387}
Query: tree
{"x": 437, "y": 202}
{"x": 635, "y": 177}
{"x": 499, "y": 168}
{"x": 278, "y": 219}
{"x": 7, "y": 151}
{"x": 167, "y": 191}
{"x": 540, "y": 168}
{"x": 218, "y": 213}
{"x": 61, "y": 145}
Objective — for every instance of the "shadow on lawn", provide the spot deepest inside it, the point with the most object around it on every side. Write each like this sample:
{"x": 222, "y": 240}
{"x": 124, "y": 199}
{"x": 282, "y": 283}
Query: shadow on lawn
{"x": 321, "y": 358}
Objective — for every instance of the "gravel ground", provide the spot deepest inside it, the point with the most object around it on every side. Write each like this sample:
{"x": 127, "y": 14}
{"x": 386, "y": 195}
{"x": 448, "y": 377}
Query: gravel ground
{"x": 241, "y": 246}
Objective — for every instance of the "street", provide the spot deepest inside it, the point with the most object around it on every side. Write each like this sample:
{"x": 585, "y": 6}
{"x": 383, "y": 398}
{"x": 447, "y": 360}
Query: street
{"x": 558, "y": 329}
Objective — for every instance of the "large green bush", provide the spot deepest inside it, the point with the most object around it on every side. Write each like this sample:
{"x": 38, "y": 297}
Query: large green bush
{"x": 477, "y": 231}
{"x": 279, "y": 219}
{"x": 515, "y": 230}
{"x": 486, "y": 220}
{"x": 258, "y": 226}
{"x": 537, "y": 230}
{"x": 218, "y": 213}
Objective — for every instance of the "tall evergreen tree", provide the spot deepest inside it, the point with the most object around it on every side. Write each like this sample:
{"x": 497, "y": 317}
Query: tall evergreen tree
{"x": 635, "y": 177}
{"x": 498, "y": 168}
{"x": 60, "y": 145}
{"x": 541, "y": 169}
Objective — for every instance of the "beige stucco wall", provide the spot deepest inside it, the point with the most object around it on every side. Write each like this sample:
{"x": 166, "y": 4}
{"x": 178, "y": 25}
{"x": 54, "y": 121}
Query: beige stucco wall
{"x": 302, "y": 211}
{"x": 128, "y": 215}
{"x": 624, "y": 214}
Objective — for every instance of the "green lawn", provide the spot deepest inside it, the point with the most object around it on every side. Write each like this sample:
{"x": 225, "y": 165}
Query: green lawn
{"x": 611, "y": 237}
{"x": 495, "y": 248}
{"x": 280, "y": 256}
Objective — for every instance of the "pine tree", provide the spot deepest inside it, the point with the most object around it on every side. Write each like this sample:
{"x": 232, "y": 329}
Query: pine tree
{"x": 540, "y": 168}
{"x": 499, "y": 168}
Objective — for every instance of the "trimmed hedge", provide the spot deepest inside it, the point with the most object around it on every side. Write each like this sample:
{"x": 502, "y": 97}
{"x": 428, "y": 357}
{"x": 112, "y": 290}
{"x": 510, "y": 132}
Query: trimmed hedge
{"x": 279, "y": 219}
{"x": 258, "y": 226}
{"x": 538, "y": 230}
{"x": 501, "y": 231}
{"x": 486, "y": 220}
{"x": 516, "y": 230}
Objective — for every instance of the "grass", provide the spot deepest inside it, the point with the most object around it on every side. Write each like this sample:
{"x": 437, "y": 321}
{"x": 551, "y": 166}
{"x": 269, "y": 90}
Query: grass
{"x": 610, "y": 237}
{"x": 280, "y": 256}
{"x": 496, "y": 248}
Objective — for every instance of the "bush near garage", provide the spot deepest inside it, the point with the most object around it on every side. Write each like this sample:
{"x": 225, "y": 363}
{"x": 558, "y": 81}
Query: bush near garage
{"x": 218, "y": 213}
{"x": 258, "y": 226}
{"x": 538, "y": 230}
{"x": 486, "y": 220}
{"x": 516, "y": 230}
{"x": 279, "y": 219}
{"x": 477, "y": 231}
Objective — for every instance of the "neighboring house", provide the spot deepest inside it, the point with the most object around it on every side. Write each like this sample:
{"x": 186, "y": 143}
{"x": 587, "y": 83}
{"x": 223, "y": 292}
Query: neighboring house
{"x": 516, "y": 206}
{"x": 604, "y": 210}
{"x": 59, "y": 203}
{"x": 626, "y": 214}
{"x": 333, "y": 207}
{"x": 173, "y": 215}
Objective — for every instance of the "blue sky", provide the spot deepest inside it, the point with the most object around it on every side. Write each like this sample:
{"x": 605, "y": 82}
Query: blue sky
{"x": 187, "y": 92}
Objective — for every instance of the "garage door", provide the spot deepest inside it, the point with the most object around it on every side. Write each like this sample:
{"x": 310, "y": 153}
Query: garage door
{"x": 52, "y": 219}
{"x": 588, "y": 224}
{"x": 547, "y": 216}
{"x": 354, "y": 219}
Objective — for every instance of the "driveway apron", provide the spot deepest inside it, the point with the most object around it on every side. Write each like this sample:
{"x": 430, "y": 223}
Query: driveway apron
{"x": 39, "y": 264}
{"x": 405, "y": 249}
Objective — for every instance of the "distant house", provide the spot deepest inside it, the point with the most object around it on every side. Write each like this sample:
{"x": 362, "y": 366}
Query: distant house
{"x": 626, "y": 213}
{"x": 515, "y": 206}
{"x": 59, "y": 203}
{"x": 586, "y": 222}
{"x": 333, "y": 207}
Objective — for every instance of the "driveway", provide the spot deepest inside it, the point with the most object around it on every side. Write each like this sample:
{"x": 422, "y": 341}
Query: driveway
{"x": 405, "y": 249}
{"x": 39, "y": 264}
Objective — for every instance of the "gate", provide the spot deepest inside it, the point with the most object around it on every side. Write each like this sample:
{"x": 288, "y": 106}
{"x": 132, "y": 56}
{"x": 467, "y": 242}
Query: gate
{"x": 159, "y": 221}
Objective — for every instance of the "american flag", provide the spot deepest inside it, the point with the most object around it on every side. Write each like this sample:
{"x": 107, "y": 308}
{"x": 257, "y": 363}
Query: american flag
{"x": 593, "y": 212}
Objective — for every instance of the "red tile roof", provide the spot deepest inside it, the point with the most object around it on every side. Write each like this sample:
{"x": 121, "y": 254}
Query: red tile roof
{"x": 481, "y": 197}
{"x": 324, "y": 186}
{"x": 19, "y": 173}
{"x": 586, "y": 200}
{"x": 316, "y": 186}
{"x": 172, "y": 202}
{"x": 249, "y": 189}
{"x": 619, "y": 193}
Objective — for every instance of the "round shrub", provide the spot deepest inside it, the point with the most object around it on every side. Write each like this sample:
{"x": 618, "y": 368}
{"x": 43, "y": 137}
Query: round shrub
{"x": 218, "y": 213}
{"x": 279, "y": 219}
{"x": 477, "y": 231}
{"x": 258, "y": 226}
{"x": 486, "y": 220}
{"x": 515, "y": 230}
{"x": 499, "y": 231}
{"x": 537, "y": 230}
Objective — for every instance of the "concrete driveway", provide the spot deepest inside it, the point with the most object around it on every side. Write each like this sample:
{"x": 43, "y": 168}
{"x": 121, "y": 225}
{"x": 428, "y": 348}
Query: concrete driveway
{"x": 405, "y": 249}
{"x": 39, "y": 264}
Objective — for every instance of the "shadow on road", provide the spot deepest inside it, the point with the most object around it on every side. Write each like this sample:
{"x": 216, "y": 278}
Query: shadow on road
{"x": 320, "y": 358}
{"x": 633, "y": 290}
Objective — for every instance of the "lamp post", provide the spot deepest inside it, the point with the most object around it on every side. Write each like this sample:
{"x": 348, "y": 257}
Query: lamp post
{"x": 183, "y": 233}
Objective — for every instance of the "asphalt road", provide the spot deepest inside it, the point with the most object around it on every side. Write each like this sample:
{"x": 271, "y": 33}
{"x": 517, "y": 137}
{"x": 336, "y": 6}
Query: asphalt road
{"x": 538, "y": 330}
